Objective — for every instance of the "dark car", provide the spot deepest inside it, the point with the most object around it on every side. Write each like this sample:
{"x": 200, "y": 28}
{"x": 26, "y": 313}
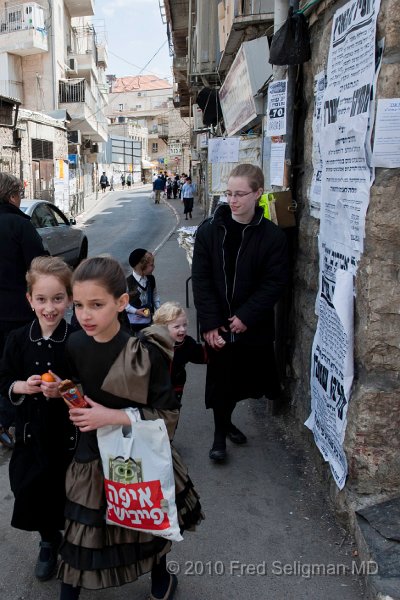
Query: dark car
{"x": 59, "y": 234}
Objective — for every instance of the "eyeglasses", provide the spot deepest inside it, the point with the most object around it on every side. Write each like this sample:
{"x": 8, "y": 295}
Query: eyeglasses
{"x": 237, "y": 194}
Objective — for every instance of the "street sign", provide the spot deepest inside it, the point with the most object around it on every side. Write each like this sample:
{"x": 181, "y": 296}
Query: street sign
{"x": 174, "y": 149}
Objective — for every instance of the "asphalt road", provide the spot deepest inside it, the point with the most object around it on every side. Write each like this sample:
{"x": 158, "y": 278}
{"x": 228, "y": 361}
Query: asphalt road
{"x": 269, "y": 532}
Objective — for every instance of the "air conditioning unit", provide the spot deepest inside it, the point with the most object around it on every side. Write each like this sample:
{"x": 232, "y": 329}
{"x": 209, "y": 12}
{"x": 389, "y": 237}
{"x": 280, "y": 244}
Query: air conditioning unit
{"x": 73, "y": 65}
{"x": 198, "y": 124}
{"x": 75, "y": 137}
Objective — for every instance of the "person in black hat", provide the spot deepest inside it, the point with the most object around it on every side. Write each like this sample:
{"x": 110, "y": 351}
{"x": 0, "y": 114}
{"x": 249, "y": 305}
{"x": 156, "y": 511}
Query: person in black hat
{"x": 143, "y": 295}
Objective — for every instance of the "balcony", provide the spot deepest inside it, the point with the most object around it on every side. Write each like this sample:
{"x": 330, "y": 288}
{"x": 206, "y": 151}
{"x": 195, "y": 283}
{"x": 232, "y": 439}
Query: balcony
{"x": 22, "y": 30}
{"x": 102, "y": 56}
{"x": 82, "y": 54}
{"x": 242, "y": 20}
{"x": 11, "y": 89}
{"x": 77, "y": 98}
{"x": 80, "y": 8}
{"x": 163, "y": 128}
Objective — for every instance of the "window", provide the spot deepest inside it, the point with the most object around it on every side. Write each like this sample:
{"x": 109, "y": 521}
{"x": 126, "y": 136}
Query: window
{"x": 138, "y": 106}
{"x": 57, "y": 216}
{"x": 42, "y": 149}
{"x": 121, "y": 107}
{"x": 42, "y": 217}
{"x": 154, "y": 147}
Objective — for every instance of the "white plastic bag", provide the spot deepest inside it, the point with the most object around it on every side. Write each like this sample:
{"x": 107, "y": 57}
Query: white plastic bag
{"x": 138, "y": 477}
{"x": 152, "y": 195}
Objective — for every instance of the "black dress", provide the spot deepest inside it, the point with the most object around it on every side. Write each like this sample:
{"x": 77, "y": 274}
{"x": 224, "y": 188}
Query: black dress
{"x": 45, "y": 437}
{"x": 96, "y": 555}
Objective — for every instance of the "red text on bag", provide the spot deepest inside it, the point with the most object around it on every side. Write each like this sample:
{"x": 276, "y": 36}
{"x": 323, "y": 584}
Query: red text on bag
{"x": 136, "y": 505}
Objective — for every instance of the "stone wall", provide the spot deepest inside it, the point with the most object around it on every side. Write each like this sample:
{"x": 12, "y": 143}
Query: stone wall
{"x": 372, "y": 440}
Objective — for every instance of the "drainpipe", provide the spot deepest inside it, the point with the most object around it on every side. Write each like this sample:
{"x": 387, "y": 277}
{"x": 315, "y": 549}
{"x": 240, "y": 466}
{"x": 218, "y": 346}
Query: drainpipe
{"x": 53, "y": 53}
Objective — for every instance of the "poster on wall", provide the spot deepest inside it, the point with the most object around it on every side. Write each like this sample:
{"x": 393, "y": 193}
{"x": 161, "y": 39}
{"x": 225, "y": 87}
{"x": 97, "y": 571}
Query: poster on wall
{"x": 346, "y": 178}
{"x": 276, "y": 108}
{"x": 346, "y": 175}
{"x": 223, "y": 150}
{"x": 61, "y": 184}
{"x": 316, "y": 183}
{"x": 386, "y": 151}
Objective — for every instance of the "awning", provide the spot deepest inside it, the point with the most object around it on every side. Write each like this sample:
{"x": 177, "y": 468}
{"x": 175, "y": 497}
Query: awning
{"x": 146, "y": 164}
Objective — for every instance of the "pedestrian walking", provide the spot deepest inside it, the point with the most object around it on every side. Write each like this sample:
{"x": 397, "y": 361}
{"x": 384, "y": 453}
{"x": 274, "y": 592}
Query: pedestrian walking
{"x": 19, "y": 244}
{"x": 158, "y": 187}
{"x": 175, "y": 186}
{"x": 169, "y": 188}
{"x": 239, "y": 272}
{"x": 186, "y": 349}
{"x": 104, "y": 182}
{"x": 187, "y": 196}
{"x": 123, "y": 181}
{"x": 96, "y": 555}
{"x": 45, "y": 437}
{"x": 143, "y": 294}
{"x": 129, "y": 180}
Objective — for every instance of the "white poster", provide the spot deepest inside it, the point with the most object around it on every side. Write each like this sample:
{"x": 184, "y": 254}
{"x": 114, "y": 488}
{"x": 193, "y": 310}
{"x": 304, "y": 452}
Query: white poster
{"x": 316, "y": 183}
{"x": 346, "y": 176}
{"x": 345, "y": 188}
{"x": 277, "y": 163}
{"x": 223, "y": 150}
{"x": 332, "y": 360}
{"x": 386, "y": 151}
{"x": 276, "y": 109}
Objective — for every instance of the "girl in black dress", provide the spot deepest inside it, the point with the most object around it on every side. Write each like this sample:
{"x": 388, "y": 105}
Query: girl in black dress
{"x": 45, "y": 437}
{"x": 116, "y": 371}
{"x": 186, "y": 349}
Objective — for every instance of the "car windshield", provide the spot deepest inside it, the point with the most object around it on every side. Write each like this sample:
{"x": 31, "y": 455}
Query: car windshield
{"x": 23, "y": 208}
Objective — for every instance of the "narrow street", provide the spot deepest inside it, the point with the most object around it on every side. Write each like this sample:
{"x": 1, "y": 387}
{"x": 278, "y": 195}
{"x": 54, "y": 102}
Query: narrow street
{"x": 269, "y": 533}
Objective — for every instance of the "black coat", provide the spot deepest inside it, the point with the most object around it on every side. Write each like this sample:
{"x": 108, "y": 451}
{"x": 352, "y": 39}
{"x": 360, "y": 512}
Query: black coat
{"x": 188, "y": 351}
{"x": 260, "y": 277}
{"x": 45, "y": 437}
{"x": 19, "y": 244}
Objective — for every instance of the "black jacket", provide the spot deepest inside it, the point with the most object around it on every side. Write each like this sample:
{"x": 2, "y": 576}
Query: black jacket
{"x": 260, "y": 276}
{"x": 19, "y": 244}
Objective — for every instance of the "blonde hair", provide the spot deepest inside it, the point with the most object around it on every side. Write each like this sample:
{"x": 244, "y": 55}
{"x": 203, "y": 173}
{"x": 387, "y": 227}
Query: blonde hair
{"x": 254, "y": 175}
{"x": 49, "y": 265}
{"x": 168, "y": 312}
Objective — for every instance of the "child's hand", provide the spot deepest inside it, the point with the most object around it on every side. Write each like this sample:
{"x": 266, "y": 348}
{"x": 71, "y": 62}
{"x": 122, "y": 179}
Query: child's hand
{"x": 88, "y": 419}
{"x": 30, "y": 386}
{"x": 50, "y": 388}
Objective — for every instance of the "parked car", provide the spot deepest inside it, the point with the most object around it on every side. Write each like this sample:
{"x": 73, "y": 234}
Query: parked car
{"x": 59, "y": 234}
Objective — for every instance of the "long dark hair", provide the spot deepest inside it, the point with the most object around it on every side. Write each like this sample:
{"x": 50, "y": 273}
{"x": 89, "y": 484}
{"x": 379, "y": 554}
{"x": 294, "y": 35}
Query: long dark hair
{"x": 105, "y": 270}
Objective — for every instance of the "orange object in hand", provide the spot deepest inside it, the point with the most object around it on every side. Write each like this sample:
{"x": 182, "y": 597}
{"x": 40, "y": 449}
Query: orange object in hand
{"x": 47, "y": 377}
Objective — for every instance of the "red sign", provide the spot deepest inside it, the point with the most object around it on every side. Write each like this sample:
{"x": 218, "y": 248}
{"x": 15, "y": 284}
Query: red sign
{"x": 136, "y": 505}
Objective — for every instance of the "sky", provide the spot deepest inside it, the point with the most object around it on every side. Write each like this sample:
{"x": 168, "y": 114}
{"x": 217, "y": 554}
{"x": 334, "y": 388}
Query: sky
{"x": 135, "y": 32}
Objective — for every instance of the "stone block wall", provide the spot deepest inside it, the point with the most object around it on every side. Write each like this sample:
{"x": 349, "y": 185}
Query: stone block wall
{"x": 372, "y": 440}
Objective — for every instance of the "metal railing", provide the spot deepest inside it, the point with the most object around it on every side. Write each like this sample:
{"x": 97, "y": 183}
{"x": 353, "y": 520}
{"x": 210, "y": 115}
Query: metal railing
{"x": 22, "y": 16}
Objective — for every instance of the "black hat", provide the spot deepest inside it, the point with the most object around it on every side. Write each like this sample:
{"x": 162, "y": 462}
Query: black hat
{"x": 136, "y": 256}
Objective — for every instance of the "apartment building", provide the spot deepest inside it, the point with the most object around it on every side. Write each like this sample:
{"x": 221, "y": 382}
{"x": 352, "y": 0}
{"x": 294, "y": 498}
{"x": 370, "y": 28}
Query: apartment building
{"x": 142, "y": 107}
{"x": 53, "y": 61}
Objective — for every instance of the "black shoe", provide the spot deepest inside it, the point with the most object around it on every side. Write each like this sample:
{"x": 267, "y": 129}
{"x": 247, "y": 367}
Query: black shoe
{"x": 169, "y": 594}
{"x": 236, "y": 436}
{"x": 218, "y": 455}
{"x": 47, "y": 560}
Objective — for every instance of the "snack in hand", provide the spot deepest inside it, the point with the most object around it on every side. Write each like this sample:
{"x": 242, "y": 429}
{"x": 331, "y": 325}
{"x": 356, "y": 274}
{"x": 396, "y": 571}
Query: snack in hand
{"x": 146, "y": 312}
{"x": 48, "y": 377}
{"x": 71, "y": 394}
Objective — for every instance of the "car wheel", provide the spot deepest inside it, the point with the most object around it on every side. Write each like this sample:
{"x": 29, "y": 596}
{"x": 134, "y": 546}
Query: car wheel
{"x": 83, "y": 252}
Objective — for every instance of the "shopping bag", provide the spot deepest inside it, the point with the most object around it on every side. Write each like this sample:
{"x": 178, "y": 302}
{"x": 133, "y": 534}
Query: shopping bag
{"x": 138, "y": 477}
{"x": 152, "y": 196}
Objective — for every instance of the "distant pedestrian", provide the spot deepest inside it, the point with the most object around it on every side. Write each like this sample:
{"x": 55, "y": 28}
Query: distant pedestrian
{"x": 158, "y": 187}
{"x": 123, "y": 181}
{"x": 112, "y": 183}
{"x": 45, "y": 437}
{"x": 186, "y": 349}
{"x": 143, "y": 294}
{"x": 187, "y": 196}
{"x": 169, "y": 187}
{"x": 175, "y": 186}
{"x": 19, "y": 244}
{"x": 104, "y": 182}
{"x": 129, "y": 180}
